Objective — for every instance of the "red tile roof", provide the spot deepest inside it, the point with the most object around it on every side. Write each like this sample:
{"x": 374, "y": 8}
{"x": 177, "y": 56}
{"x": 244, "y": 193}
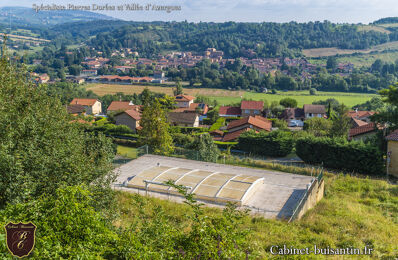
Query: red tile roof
{"x": 393, "y": 136}
{"x": 254, "y": 121}
{"x": 192, "y": 108}
{"x": 83, "y": 101}
{"x": 360, "y": 114}
{"x": 234, "y": 135}
{"x": 183, "y": 98}
{"x": 357, "y": 122}
{"x": 133, "y": 114}
{"x": 120, "y": 105}
{"x": 246, "y": 104}
{"x": 231, "y": 111}
{"x": 361, "y": 130}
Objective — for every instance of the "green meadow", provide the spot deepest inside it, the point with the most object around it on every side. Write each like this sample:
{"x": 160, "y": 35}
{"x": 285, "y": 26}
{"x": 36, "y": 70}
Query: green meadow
{"x": 302, "y": 97}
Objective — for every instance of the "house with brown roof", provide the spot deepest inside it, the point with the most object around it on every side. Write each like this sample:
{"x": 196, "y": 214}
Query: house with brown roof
{"x": 356, "y": 122}
{"x": 293, "y": 114}
{"x": 184, "y": 100}
{"x": 228, "y": 111}
{"x": 92, "y": 106}
{"x": 120, "y": 106}
{"x": 130, "y": 118}
{"x": 251, "y": 108}
{"x": 75, "y": 109}
{"x": 361, "y": 115}
{"x": 199, "y": 108}
{"x": 237, "y": 127}
{"x": 183, "y": 119}
{"x": 311, "y": 111}
{"x": 362, "y": 132}
{"x": 392, "y": 153}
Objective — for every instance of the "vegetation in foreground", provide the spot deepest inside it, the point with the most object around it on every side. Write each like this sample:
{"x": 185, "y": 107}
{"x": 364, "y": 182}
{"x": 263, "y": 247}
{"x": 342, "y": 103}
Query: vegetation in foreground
{"x": 355, "y": 212}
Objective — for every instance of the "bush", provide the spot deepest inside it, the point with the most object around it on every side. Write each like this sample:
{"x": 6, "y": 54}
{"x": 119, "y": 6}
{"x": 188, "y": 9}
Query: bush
{"x": 288, "y": 102}
{"x": 337, "y": 153}
{"x": 182, "y": 139}
{"x": 313, "y": 91}
{"x": 276, "y": 143}
{"x": 190, "y": 130}
{"x": 126, "y": 142}
{"x": 218, "y": 124}
{"x": 279, "y": 123}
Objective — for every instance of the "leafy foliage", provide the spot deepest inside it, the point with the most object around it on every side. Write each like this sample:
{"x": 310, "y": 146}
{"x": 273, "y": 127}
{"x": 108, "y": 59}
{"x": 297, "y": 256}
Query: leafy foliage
{"x": 40, "y": 150}
{"x": 338, "y": 153}
{"x": 206, "y": 149}
{"x": 276, "y": 143}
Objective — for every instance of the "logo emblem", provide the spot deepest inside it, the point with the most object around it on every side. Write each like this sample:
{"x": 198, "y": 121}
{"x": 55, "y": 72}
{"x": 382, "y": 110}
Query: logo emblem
{"x": 20, "y": 238}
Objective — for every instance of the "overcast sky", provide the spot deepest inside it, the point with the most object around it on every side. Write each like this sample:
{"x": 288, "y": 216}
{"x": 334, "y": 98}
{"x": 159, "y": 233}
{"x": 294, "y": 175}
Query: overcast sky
{"x": 342, "y": 11}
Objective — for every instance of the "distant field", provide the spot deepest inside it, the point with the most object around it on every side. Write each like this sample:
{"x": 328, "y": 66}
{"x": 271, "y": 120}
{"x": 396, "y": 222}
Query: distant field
{"x": 225, "y": 97}
{"x": 362, "y": 60}
{"x": 376, "y": 28}
{"x": 324, "y": 52}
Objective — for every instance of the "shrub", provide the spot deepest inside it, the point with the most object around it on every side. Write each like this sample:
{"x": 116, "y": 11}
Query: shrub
{"x": 337, "y": 153}
{"x": 313, "y": 91}
{"x": 218, "y": 124}
{"x": 190, "y": 130}
{"x": 276, "y": 143}
{"x": 182, "y": 139}
{"x": 279, "y": 123}
{"x": 288, "y": 102}
{"x": 126, "y": 142}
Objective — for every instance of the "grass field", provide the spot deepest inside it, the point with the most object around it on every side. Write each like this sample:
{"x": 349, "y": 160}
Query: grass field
{"x": 355, "y": 213}
{"x": 324, "y": 52}
{"x": 225, "y": 97}
{"x": 127, "y": 152}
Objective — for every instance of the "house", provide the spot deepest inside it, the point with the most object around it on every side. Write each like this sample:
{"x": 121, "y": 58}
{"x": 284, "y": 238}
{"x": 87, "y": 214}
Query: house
{"x": 199, "y": 108}
{"x": 362, "y": 132}
{"x": 227, "y": 111}
{"x": 184, "y": 100}
{"x": 237, "y": 127}
{"x": 361, "y": 115}
{"x": 43, "y": 78}
{"x": 356, "y": 122}
{"x": 290, "y": 114}
{"x": 311, "y": 111}
{"x": 392, "y": 153}
{"x": 130, "y": 118}
{"x": 251, "y": 108}
{"x": 92, "y": 106}
{"x": 184, "y": 119}
{"x": 88, "y": 73}
{"x": 217, "y": 135}
{"x": 121, "y": 106}
{"x": 75, "y": 109}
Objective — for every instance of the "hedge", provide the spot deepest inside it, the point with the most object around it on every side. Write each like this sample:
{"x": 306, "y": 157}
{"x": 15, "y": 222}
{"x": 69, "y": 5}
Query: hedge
{"x": 189, "y": 130}
{"x": 225, "y": 145}
{"x": 275, "y": 143}
{"x": 218, "y": 124}
{"x": 125, "y": 142}
{"x": 337, "y": 153}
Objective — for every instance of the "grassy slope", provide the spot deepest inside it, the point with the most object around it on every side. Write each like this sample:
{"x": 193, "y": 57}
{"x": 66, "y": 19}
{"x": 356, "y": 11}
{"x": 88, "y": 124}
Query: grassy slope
{"x": 354, "y": 212}
{"x": 225, "y": 97}
{"x": 127, "y": 152}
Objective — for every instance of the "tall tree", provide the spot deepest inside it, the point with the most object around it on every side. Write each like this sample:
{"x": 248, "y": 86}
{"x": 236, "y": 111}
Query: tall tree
{"x": 179, "y": 90}
{"x": 155, "y": 128}
{"x": 341, "y": 122}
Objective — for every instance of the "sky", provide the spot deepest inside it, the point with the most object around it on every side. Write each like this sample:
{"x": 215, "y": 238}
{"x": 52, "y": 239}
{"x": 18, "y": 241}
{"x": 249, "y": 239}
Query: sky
{"x": 340, "y": 11}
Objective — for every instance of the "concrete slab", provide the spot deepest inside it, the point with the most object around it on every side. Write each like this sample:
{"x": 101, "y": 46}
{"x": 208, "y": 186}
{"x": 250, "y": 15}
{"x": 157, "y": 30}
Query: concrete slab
{"x": 276, "y": 196}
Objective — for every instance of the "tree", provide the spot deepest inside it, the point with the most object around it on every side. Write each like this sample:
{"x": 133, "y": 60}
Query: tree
{"x": 313, "y": 91}
{"x": 341, "y": 123}
{"x": 40, "y": 149}
{"x": 155, "y": 128}
{"x": 389, "y": 115}
{"x": 331, "y": 63}
{"x": 179, "y": 90}
{"x": 205, "y": 147}
{"x": 288, "y": 102}
{"x": 318, "y": 126}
